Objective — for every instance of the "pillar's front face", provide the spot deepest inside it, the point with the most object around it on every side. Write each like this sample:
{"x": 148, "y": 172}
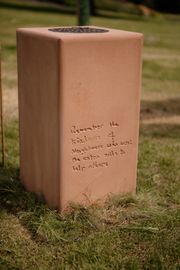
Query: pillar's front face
{"x": 100, "y": 84}
{"x": 98, "y": 93}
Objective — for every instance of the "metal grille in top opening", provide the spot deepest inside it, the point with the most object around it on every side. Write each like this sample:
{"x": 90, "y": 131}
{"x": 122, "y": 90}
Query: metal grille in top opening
{"x": 79, "y": 30}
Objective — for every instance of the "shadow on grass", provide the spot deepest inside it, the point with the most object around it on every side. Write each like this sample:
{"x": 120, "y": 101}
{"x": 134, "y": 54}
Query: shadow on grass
{"x": 23, "y": 204}
{"x": 44, "y": 9}
{"x": 10, "y": 48}
{"x": 12, "y": 193}
{"x": 42, "y": 223}
{"x": 169, "y": 131}
{"x": 121, "y": 16}
{"x": 162, "y": 108}
{"x": 71, "y": 10}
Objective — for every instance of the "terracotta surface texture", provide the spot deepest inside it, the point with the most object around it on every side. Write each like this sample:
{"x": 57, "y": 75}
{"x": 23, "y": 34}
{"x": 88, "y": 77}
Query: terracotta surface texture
{"x": 79, "y": 103}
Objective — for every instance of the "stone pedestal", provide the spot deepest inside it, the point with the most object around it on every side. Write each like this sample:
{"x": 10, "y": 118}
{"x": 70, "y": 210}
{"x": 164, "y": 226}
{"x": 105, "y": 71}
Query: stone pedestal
{"x": 79, "y": 96}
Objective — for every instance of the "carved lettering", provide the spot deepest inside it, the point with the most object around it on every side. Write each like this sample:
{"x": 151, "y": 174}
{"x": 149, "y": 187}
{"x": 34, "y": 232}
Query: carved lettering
{"x": 84, "y": 139}
{"x": 78, "y": 168}
{"x": 76, "y": 159}
{"x": 111, "y": 153}
{"x": 113, "y": 144}
{"x": 86, "y": 149}
{"x": 96, "y": 165}
{"x": 113, "y": 124}
{"x": 126, "y": 142}
{"x": 92, "y": 127}
{"x": 91, "y": 157}
{"x": 97, "y": 145}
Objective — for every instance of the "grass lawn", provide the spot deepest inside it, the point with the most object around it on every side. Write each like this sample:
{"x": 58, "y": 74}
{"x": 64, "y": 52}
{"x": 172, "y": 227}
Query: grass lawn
{"x": 129, "y": 232}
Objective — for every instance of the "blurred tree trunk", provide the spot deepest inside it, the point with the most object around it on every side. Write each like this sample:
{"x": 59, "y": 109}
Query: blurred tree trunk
{"x": 83, "y": 12}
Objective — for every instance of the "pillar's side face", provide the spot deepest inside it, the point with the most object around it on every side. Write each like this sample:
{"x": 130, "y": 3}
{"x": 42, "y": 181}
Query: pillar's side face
{"x": 39, "y": 115}
{"x": 100, "y": 84}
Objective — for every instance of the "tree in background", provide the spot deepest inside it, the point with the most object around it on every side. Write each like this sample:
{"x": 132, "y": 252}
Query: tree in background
{"x": 92, "y": 7}
{"x": 83, "y": 12}
{"x": 170, "y": 6}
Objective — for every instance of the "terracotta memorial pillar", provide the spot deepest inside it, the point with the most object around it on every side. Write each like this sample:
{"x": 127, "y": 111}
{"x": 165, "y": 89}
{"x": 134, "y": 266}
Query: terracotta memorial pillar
{"x": 79, "y": 96}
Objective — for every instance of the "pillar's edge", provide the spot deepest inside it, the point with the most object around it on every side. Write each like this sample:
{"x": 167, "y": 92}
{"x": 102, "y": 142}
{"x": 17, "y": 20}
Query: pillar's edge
{"x": 111, "y": 34}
